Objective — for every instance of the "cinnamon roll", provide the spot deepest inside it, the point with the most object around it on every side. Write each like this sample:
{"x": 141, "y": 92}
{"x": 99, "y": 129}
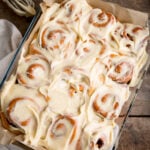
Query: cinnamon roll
{"x": 100, "y": 19}
{"x": 70, "y": 13}
{"x": 122, "y": 69}
{"x": 62, "y": 133}
{"x": 122, "y": 73}
{"x": 98, "y": 136}
{"x": 129, "y": 38}
{"x": 68, "y": 91}
{"x": 21, "y": 110}
{"x": 33, "y": 71}
{"x": 106, "y": 102}
{"x": 58, "y": 39}
{"x": 98, "y": 23}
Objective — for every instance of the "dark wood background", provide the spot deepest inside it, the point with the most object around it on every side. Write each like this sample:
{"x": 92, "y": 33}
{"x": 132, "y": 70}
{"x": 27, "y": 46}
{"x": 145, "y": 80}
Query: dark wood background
{"x": 136, "y": 134}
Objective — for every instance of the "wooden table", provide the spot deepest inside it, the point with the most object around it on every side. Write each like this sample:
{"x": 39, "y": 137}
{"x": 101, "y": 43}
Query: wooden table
{"x": 136, "y": 134}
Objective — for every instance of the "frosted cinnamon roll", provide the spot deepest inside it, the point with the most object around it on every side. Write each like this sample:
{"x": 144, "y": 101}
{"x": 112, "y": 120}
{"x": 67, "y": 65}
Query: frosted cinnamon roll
{"x": 87, "y": 52}
{"x": 73, "y": 10}
{"x": 122, "y": 72}
{"x": 98, "y": 136}
{"x": 97, "y": 22}
{"x": 35, "y": 49}
{"x": 68, "y": 91}
{"x": 62, "y": 133}
{"x": 129, "y": 38}
{"x": 125, "y": 70}
{"x": 57, "y": 39}
{"x": 106, "y": 102}
{"x": 70, "y": 13}
{"x": 122, "y": 69}
{"x": 33, "y": 71}
{"x": 100, "y": 19}
{"x": 22, "y": 110}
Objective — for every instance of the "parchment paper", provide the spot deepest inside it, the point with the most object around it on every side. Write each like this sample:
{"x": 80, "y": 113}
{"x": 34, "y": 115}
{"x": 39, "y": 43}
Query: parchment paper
{"x": 123, "y": 15}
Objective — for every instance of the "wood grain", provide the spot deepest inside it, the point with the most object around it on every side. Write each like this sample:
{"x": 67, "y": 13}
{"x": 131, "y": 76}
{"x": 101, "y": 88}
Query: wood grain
{"x": 136, "y": 134}
{"x": 142, "y": 103}
{"x": 140, "y": 5}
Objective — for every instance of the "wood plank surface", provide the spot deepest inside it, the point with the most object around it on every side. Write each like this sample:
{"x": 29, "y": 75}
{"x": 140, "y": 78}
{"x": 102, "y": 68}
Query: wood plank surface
{"x": 136, "y": 134}
{"x": 141, "y": 105}
{"x": 140, "y": 5}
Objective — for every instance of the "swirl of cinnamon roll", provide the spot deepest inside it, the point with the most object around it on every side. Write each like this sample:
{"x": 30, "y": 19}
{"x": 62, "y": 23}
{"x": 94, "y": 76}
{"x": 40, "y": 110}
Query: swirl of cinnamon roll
{"x": 63, "y": 132}
{"x": 125, "y": 70}
{"x": 12, "y": 107}
{"x": 100, "y": 19}
{"x": 122, "y": 73}
{"x": 139, "y": 35}
{"x": 33, "y": 71}
{"x": 58, "y": 39}
{"x": 35, "y": 49}
{"x": 98, "y": 23}
{"x": 122, "y": 69}
{"x": 98, "y": 136}
{"x": 70, "y": 13}
{"x": 129, "y": 38}
{"x": 22, "y": 111}
{"x": 73, "y": 10}
{"x": 106, "y": 102}
{"x": 61, "y": 128}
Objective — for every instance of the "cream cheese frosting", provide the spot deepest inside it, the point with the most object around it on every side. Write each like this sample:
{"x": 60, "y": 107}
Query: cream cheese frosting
{"x": 74, "y": 78}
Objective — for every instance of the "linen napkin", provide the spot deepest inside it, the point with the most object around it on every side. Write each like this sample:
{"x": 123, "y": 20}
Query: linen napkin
{"x": 10, "y": 147}
{"x": 10, "y": 37}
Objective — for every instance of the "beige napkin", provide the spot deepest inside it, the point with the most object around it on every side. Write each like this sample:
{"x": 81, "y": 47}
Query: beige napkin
{"x": 9, "y": 40}
{"x": 10, "y": 147}
{"x": 10, "y": 37}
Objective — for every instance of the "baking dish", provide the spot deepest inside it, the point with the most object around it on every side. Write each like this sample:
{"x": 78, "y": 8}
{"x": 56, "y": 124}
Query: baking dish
{"x": 16, "y": 55}
{"x": 125, "y": 110}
